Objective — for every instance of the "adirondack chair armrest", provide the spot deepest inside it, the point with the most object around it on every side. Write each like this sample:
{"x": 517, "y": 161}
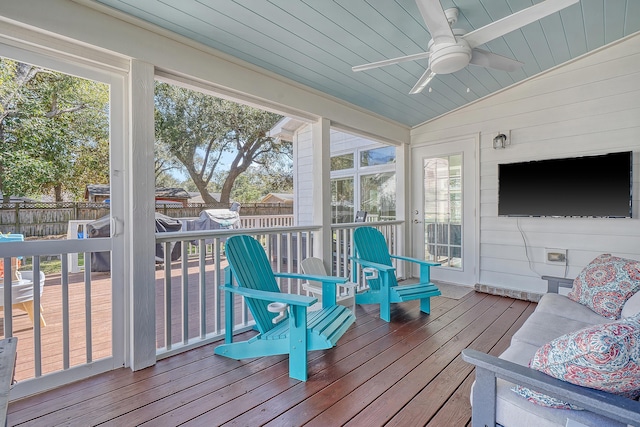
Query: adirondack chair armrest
{"x": 313, "y": 278}
{"x": 329, "y": 285}
{"x": 553, "y": 283}
{"x": 415, "y": 260}
{"x": 379, "y": 267}
{"x": 488, "y": 368}
{"x": 291, "y": 299}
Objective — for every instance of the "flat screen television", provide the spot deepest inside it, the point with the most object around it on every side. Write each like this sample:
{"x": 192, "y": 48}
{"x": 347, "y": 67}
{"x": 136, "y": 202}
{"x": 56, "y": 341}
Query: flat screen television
{"x": 590, "y": 186}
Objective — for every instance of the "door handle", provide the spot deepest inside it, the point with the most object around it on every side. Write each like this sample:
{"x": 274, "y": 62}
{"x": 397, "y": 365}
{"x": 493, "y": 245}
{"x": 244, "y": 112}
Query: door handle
{"x": 415, "y": 221}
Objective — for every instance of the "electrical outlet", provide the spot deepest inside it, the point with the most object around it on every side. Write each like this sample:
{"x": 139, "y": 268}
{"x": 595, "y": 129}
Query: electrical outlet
{"x": 555, "y": 256}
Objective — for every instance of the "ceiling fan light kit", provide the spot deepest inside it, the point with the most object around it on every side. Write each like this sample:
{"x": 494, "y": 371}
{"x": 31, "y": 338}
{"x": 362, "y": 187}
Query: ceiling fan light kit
{"x": 451, "y": 50}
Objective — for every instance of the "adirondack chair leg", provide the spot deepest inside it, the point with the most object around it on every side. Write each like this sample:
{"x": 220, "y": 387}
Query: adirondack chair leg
{"x": 425, "y": 277}
{"x": 425, "y": 305}
{"x": 385, "y": 297}
{"x": 298, "y": 343}
{"x": 228, "y": 307}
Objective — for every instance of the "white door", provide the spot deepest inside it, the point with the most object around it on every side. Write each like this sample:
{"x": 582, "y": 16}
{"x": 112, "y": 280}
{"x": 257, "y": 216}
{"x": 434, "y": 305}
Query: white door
{"x": 443, "y": 220}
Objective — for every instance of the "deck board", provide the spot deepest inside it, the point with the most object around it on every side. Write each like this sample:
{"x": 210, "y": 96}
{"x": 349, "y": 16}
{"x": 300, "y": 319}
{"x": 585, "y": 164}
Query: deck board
{"x": 406, "y": 372}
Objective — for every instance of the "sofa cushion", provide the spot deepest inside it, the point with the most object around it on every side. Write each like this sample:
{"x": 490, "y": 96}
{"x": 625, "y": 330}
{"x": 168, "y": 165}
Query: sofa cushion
{"x": 632, "y": 306}
{"x": 561, "y": 305}
{"x": 542, "y": 327}
{"x": 606, "y": 283}
{"x": 604, "y": 357}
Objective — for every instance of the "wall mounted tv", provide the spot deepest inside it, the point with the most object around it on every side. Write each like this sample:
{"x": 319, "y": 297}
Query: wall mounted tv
{"x": 590, "y": 186}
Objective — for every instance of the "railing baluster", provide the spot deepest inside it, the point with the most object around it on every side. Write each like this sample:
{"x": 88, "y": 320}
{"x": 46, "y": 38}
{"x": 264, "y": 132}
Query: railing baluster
{"x": 8, "y": 309}
{"x": 217, "y": 282}
{"x": 37, "y": 327}
{"x": 167, "y": 301}
{"x": 87, "y": 305}
{"x": 202, "y": 259}
{"x": 65, "y": 311}
{"x": 185, "y": 292}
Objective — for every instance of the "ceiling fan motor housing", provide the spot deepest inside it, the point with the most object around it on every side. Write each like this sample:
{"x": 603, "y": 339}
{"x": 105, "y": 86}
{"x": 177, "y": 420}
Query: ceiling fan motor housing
{"x": 448, "y": 58}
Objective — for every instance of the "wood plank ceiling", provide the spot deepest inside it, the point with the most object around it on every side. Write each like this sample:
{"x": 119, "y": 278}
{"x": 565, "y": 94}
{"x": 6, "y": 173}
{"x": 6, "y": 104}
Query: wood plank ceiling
{"x": 316, "y": 43}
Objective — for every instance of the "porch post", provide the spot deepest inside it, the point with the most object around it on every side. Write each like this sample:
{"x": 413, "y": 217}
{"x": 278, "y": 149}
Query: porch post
{"x": 140, "y": 219}
{"x": 321, "y": 141}
{"x": 403, "y": 188}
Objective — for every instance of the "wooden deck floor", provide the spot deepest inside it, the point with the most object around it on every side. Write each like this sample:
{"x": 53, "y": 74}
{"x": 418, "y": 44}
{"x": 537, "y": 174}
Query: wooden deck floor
{"x": 404, "y": 373}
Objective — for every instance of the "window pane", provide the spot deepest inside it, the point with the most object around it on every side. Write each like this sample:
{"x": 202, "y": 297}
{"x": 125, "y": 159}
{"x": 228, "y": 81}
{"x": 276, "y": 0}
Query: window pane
{"x": 378, "y": 156}
{"x": 342, "y": 162}
{"x": 443, "y": 210}
{"x": 378, "y": 196}
{"x": 342, "y": 200}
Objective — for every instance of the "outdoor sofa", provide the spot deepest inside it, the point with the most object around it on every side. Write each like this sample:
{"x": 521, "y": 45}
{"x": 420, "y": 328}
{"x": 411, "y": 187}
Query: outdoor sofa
{"x": 577, "y": 356}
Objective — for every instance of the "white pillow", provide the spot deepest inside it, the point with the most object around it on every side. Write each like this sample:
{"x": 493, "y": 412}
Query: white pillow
{"x": 632, "y": 306}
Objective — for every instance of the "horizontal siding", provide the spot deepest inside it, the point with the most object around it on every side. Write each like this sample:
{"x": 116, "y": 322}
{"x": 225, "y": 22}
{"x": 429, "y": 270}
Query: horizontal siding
{"x": 303, "y": 179}
{"x": 590, "y": 106}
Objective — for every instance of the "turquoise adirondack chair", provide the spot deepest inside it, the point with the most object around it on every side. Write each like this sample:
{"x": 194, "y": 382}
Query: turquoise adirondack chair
{"x": 371, "y": 252}
{"x": 294, "y": 332}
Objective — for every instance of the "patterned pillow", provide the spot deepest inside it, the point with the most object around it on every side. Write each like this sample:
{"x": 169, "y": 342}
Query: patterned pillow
{"x": 605, "y": 284}
{"x": 604, "y": 357}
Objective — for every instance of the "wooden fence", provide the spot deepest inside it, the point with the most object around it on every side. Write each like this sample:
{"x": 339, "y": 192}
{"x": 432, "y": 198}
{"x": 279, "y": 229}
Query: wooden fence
{"x": 52, "y": 219}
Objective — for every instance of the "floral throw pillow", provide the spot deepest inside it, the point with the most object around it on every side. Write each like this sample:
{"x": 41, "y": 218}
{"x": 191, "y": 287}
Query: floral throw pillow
{"x": 606, "y": 283}
{"x": 603, "y": 357}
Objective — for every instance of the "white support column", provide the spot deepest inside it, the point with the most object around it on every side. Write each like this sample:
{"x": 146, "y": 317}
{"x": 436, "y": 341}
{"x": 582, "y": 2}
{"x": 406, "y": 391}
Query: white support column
{"x": 140, "y": 219}
{"x": 321, "y": 141}
{"x": 403, "y": 188}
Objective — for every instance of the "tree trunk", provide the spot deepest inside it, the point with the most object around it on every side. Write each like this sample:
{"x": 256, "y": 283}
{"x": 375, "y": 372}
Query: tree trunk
{"x": 57, "y": 189}
{"x": 202, "y": 188}
{"x": 225, "y": 194}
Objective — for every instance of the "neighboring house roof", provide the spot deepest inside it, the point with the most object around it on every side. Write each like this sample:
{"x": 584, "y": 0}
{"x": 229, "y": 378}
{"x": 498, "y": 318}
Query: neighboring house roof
{"x": 172, "y": 193}
{"x": 196, "y": 197}
{"x": 278, "y": 198}
{"x": 97, "y": 190}
{"x": 285, "y": 129}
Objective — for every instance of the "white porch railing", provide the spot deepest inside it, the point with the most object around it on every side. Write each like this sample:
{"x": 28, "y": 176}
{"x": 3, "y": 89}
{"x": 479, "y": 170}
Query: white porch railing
{"x": 78, "y": 307}
{"x": 192, "y": 312}
{"x": 66, "y": 349}
{"x": 264, "y": 221}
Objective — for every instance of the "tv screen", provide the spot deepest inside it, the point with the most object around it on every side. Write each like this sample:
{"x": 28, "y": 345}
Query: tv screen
{"x": 590, "y": 186}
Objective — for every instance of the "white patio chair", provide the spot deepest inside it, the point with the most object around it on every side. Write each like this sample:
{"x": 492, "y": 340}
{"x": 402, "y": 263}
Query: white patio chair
{"x": 345, "y": 294}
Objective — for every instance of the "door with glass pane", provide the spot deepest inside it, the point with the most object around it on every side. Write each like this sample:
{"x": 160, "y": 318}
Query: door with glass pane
{"x": 443, "y": 215}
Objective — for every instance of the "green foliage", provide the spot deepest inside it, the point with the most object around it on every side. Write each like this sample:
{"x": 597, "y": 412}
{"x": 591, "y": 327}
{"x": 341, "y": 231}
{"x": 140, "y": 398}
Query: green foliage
{"x": 214, "y": 140}
{"x": 52, "y": 127}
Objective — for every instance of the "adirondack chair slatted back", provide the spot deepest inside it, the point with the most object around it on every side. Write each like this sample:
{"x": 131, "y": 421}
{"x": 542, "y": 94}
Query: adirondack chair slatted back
{"x": 371, "y": 246}
{"x": 251, "y": 269}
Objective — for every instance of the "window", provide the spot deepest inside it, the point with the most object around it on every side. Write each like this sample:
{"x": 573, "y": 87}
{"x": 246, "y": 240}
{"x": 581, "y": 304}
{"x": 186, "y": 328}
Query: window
{"x": 368, "y": 184}
{"x": 378, "y": 156}
{"x": 342, "y": 200}
{"x": 378, "y": 195}
{"x": 342, "y": 162}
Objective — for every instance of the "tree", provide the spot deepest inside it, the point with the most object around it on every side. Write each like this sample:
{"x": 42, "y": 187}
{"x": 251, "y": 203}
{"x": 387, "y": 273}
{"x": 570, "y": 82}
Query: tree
{"x": 203, "y": 132}
{"x": 48, "y": 122}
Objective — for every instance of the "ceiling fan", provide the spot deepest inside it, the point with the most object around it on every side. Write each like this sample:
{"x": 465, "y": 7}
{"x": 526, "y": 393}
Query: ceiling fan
{"x": 450, "y": 49}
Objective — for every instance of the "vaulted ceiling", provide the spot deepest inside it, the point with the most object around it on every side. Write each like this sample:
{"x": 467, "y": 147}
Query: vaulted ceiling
{"x": 316, "y": 42}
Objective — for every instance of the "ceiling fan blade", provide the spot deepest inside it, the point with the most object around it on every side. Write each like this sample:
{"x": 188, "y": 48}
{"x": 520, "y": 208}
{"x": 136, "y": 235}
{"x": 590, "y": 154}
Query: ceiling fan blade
{"x": 436, "y": 21}
{"x": 517, "y": 20}
{"x": 422, "y": 82}
{"x": 414, "y": 57}
{"x": 487, "y": 59}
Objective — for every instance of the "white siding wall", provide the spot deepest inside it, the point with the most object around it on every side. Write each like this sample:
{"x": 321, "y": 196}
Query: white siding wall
{"x": 590, "y": 106}
{"x": 303, "y": 176}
